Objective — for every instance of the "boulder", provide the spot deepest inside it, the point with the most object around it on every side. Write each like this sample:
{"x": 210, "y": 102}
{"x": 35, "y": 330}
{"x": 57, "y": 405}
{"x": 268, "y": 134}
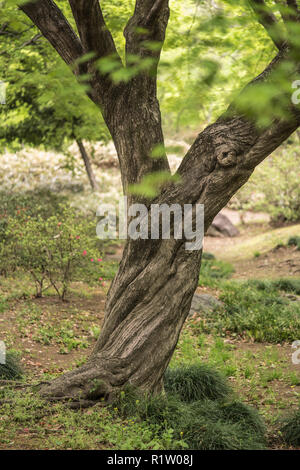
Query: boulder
{"x": 203, "y": 303}
{"x": 222, "y": 227}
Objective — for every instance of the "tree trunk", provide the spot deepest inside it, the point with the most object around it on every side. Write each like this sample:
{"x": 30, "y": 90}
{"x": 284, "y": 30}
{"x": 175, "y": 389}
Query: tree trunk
{"x": 151, "y": 294}
{"x": 88, "y": 166}
{"x": 148, "y": 302}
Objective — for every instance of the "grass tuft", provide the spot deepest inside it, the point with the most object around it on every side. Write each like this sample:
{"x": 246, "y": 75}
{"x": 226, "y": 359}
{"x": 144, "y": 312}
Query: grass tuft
{"x": 11, "y": 370}
{"x": 206, "y": 434}
{"x": 257, "y": 310}
{"x": 294, "y": 241}
{"x": 207, "y": 255}
{"x": 291, "y": 429}
{"x": 196, "y": 382}
{"x": 195, "y": 410}
{"x": 282, "y": 284}
{"x": 247, "y": 416}
{"x": 213, "y": 270}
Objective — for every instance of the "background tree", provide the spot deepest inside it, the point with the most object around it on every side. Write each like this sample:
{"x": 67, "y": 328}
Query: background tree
{"x": 45, "y": 105}
{"x": 151, "y": 294}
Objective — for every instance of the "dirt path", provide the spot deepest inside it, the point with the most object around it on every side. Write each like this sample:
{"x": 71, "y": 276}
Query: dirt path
{"x": 258, "y": 252}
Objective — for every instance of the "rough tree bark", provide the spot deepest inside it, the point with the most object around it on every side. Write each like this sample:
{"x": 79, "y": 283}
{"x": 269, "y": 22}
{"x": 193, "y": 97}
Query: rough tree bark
{"x": 150, "y": 297}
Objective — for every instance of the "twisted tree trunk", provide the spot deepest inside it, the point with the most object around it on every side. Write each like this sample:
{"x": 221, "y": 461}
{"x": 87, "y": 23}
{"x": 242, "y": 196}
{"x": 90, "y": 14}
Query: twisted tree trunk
{"x": 147, "y": 305}
{"x": 151, "y": 294}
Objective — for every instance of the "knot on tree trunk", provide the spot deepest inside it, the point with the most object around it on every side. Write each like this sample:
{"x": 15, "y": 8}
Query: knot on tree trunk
{"x": 226, "y": 157}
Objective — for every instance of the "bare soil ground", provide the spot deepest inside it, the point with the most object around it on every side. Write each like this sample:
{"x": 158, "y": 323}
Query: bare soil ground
{"x": 257, "y": 253}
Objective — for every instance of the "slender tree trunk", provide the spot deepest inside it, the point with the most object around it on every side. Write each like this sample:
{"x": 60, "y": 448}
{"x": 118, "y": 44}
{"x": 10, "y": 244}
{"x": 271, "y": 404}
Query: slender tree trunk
{"x": 88, "y": 166}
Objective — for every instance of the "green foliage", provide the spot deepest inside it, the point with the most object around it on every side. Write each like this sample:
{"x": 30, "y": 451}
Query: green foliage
{"x": 57, "y": 427}
{"x": 3, "y": 305}
{"x": 62, "y": 334}
{"x": 294, "y": 241}
{"x": 45, "y": 104}
{"x": 291, "y": 429}
{"x": 56, "y": 250}
{"x": 214, "y": 425}
{"x": 35, "y": 203}
{"x": 212, "y": 271}
{"x": 196, "y": 382}
{"x": 151, "y": 184}
{"x": 237, "y": 411}
{"x": 274, "y": 186}
{"x": 207, "y": 256}
{"x": 198, "y": 71}
{"x": 286, "y": 285}
{"x": 154, "y": 408}
{"x": 203, "y": 420}
{"x": 12, "y": 369}
{"x": 204, "y": 426}
{"x": 256, "y": 310}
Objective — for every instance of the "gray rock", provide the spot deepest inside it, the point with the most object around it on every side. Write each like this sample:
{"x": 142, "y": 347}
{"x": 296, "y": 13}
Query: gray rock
{"x": 222, "y": 227}
{"x": 203, "y": 303}
{"x": 293, "y": 297}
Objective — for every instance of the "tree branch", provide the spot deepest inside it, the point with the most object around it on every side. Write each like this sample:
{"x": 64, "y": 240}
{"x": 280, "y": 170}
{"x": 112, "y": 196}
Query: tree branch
{"x": 94, "y": 35}
{"x": 268, "y": 20}
{"x": 153, "y": 16}
{"x": 224, "y": 155}
{"x": 46, "y": 15}
{"x": 154, "y": 12}
{"x": 31, "y": 41}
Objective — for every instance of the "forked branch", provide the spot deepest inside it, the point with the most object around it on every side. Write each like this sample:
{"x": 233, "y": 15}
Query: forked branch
{"x": 94, "y": 35}
{"x": 152, "y": 16}
{"x": 46, "y": 15}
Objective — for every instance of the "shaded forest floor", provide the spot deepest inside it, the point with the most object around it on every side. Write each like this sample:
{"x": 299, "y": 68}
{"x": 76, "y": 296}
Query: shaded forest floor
{"x": 248, "y": 340}
{"x": 53, "y": 336}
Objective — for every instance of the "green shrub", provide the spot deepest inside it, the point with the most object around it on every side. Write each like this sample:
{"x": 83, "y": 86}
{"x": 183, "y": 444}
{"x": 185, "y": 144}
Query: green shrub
{"x": 247, "y": 416}
{"x": 205, "y": 434}
{"x": 291, "y": 429}
{"x": 42, "y": 203}
{"x": 206, "y": 255}
{"x": 54, "y": 251}
{"x": 154, "y": 408}
{"x": 288, "y": 285}
{"x": 285, "y": 285}
{"x": 3, "y": 305}
{"x": 11, "y": 370}
{"x": 294, "y": 241}
{"x": 274, "y": 186}
{"x": 196, "y": 382}
{"x": 212, "y": 271}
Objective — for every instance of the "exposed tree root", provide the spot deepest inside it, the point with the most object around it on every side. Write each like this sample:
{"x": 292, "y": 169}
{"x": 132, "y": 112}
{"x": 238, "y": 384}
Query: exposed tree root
{"x": 15, "y": 384}
{"x": 87, "y": 385}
